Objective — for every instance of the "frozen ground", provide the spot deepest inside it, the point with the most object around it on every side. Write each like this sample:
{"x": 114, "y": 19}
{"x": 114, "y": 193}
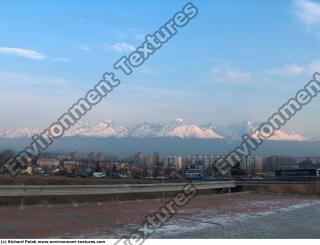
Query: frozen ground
{"x": 240, "y": 215}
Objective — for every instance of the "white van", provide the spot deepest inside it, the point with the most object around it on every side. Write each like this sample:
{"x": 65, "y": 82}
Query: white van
{"x": 99, "y": 175}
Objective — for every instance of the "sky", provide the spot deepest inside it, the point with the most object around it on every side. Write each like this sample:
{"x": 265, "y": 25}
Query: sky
{"x": 235, "y": 61}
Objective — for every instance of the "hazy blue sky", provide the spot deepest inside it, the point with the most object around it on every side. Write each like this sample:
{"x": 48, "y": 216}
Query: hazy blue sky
{"x": 236, "y": 60}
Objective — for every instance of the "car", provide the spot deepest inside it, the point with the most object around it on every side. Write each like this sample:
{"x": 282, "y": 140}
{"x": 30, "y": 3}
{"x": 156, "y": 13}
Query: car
{"x": 148, "y": 177}
{"x": 257, "y": 178}
{"x": 118, "y": 176}
{"x": 123, "y": 176}
{"x": 84, "y": 175}
{"x": 162, "y": 178}
{"x": 241, "y": 178}
{"x": 138, "y": 177}
{"x": 172, "y": 177}
{"x": 45, "y": 174}
{"x": 70, "y": 175}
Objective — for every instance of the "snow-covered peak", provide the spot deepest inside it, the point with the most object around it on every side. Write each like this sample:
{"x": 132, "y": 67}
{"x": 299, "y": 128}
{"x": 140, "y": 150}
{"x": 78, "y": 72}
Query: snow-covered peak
{"x": 145, "y": 130}
{"x": 179, "y": 128}
{"x": 108, "y": 128}
{"x": 179, "y": 120}
{"x": 315, "y": 139}
{"x": 236, "y": 131}
{"x": 283, "y": 136}
{"x": 191, "y": 131}
{"x": 78, "y": 129}
{"x": 20, "y": 132}
{"x": 176, "y": 128}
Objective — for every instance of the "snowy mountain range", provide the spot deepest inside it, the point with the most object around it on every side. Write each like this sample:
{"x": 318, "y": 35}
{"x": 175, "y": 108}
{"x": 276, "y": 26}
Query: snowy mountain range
{"x": 177, "y": 128}
{"x": 235, "y": 132}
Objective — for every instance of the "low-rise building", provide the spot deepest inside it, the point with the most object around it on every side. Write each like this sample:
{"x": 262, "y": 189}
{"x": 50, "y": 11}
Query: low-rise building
{"x": 70, "y": 165}
{"x": 48, "y": 163}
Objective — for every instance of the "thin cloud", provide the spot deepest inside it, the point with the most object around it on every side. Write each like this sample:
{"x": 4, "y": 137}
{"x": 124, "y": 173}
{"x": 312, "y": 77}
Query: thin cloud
{"x": 230, "y": 74}
{"x": 25, "y": 53}
{"x": 138, "y": 36}
{"x": 314, "y": 66}
{"x": 119, "y": 47}
{"x": 308, "y": 12}
{"x": 147, "y": 71}
{"x": 62, "y": 59}
{"x": 85, "y": 48}
{"x": 219, "y": 61}
{"x": 129, "y": 35}
{"x": 287, "y": 70}
{"x": 14, "y": 78}
{"x": 123, "y": 12}
{"x": 290, "y": 70}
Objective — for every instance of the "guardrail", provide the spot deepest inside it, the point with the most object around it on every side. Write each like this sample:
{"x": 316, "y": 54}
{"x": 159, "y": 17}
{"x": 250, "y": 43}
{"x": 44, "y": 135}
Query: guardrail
{"x": 272, "y": 182}
{"x": 61, "y": 190}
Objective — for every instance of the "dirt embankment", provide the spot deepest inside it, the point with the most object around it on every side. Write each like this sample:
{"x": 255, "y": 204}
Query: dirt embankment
{"x": 311, "y": 188}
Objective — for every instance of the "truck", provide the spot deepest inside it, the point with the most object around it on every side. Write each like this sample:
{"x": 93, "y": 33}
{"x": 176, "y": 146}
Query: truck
{"x": 297, "y": 174}
{"x": 193, "y": 174}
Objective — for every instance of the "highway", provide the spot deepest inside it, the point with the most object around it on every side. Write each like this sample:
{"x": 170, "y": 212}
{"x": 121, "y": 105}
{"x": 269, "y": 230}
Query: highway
{"x": 61, "y": 190}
